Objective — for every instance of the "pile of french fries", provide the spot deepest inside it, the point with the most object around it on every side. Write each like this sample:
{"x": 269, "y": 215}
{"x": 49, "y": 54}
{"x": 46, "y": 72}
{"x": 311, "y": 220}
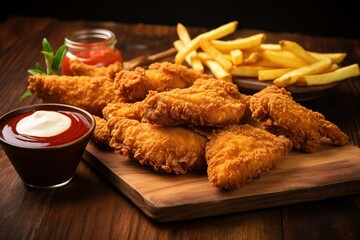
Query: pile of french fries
{"x": 284, "y": 63}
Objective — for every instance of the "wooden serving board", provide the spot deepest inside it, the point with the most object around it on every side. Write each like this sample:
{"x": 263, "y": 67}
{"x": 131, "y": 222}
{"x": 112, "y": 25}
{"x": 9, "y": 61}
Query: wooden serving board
{"x": 300, "y": 177}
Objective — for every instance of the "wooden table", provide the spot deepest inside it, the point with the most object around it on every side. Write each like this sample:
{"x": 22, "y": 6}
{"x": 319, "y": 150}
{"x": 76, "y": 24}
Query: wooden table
{"x": 91, "y": 208}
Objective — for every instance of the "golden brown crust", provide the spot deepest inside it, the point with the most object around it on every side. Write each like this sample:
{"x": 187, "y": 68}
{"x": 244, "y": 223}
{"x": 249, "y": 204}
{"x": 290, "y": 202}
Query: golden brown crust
{"x": 209, "y": 102}
{"x": 89, "y": 93}
{"x": 283, "y": 116}
{"x": 82, "y": 69}
{"x": 165, "y": 149}
{"x": 134, "y": 85}
{"x": 238, "y": 154}
{"x": 121, "y": 109}
{"x": 101, "y": 135}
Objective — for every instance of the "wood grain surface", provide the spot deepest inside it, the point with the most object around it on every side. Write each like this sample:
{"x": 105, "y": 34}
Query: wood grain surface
{"x": 329, "y": 172}
{"x": 91, "y": 207}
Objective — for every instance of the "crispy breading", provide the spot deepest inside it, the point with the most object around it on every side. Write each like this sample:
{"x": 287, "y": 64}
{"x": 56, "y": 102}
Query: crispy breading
{"x": 82, "y": 69}
{"x": 237, "y": 154}
{"x": 134, "y": 85}
{"x": 208, "y": 102}
{"x": 283, "y": 116}
{"x": 89, "y": 93}
{"x": 101, "y": 135}
{"x": 121, "y": 109}
{"x": 165, "y": 149}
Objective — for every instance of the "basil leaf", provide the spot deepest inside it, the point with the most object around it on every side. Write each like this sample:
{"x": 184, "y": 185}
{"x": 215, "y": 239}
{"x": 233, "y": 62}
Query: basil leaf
{"x": 52, "y": 61}
{"x": 26, "y": 94}
{"x": 38, "y": 66}
{"x": 49, "y": 59}
{"x": 46, "y": 46}
{"x": 36, "y": 72}
{"x": 59, "y": 55}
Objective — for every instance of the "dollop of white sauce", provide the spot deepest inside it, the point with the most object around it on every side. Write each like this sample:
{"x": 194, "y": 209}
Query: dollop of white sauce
{"x": 43, "y": 124}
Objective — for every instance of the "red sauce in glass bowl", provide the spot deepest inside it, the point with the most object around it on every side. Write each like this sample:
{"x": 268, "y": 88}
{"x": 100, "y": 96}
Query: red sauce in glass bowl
{"x": 78, "y": 128}
{"x": 45, "y": 142}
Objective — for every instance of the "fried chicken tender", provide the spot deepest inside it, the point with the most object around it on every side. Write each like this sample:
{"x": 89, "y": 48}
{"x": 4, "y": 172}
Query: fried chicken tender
{"x": 82, "y": 69}
{"x": 134, "y": 85}
{"x": 165, "y": 149}
{"x": 121, "y": 109}
{"x": 283, "y": 116}
{"x": 89, "y": 93}
{"x": 208, "y": 102}
{"x": 237, "y": 154}
{"x": 101, "y": 135}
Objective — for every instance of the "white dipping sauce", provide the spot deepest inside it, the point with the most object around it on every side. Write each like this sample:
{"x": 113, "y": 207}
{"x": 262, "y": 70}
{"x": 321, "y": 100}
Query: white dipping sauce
{"x": 43, "y": 124}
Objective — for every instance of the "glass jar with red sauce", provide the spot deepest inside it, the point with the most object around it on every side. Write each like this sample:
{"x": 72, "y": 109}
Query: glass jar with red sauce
{"x": 91, "y": 46}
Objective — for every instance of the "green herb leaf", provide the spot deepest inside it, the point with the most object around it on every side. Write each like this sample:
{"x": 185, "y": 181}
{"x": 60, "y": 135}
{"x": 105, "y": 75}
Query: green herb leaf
{"x": 49, "y": 59}
{"x": 46, "y": 46}
{"x": 52, "y": 60}
{"x": 25, "y": 95}
{"x": 38, "y": 66}
{"x": 59, "y": 55}
{"x": 35, "y": 71}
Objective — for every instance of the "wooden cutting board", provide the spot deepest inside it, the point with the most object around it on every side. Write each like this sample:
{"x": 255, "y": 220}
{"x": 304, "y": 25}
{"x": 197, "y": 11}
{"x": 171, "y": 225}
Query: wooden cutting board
{"x": 300, "y": 177}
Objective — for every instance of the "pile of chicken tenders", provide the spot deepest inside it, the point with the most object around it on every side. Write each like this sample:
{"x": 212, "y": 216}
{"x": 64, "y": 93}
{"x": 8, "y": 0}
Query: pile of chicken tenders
{"x": 174, "y": 119}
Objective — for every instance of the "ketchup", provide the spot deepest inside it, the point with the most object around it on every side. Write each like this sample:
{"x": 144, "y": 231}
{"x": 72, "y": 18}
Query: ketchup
{"x": 91, "y": 46}
{"x": 78, "y": 128}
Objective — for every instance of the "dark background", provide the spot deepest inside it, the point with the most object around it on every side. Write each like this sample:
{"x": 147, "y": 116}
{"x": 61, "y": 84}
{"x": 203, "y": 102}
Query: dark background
{"x": 318, "y": 18}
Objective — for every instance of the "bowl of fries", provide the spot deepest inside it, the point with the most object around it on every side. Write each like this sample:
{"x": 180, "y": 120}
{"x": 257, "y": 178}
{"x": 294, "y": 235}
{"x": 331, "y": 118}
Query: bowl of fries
{"x": 253, "y": 64}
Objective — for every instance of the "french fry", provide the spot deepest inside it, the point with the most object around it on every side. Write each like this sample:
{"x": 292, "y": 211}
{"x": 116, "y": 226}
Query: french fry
{"x": 239, "y": 43}
{"x": 207, "y": 47}
{"x": 283, "y": 58}
{"x": 335, "y": 57}
{"x": 204, "y": 56}
{"x": 285, "y": 63}
{"x": 196, "y": 64}
{"x": 192, "y": 59}
{"x": 247, "y": 71}
{"x": 330, "y": 77}
{"x": 217, "y": 70}
{"x": 270, "y": 46}
{"x": 215, "y": 67}
{"x": 178, "y": 44}
{"x": 267, "y": 63}
{"x": 333, "y": 67}
{"x": 236, "y": 57}
{"x": 271, "y": 74}
{"x": 216, "y": 33}
{"x": 297, "y": 50}
{"x": 292, "y": 76}
{"x": 182, "y": 33}
{"x": 253, "y": 57}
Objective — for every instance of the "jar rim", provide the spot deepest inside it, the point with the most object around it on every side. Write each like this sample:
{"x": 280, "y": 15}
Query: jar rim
{"x": 90, "y": 38}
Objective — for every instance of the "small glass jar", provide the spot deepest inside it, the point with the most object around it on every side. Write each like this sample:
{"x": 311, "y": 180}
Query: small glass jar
{"x": 91, "y": 46}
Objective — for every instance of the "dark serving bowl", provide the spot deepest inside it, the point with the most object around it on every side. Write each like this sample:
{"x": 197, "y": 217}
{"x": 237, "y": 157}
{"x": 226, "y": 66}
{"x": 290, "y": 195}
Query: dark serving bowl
{"x": 47, "y": 165}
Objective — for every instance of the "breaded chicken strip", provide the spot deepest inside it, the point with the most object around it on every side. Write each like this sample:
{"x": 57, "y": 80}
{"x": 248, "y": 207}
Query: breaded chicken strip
{"x": 89, "y": 93}
{"x": 165, "y": 149}
{"x": 101, "y": 135}
{"x": 82, "y": 69}
{"x": 283, "y": 116}
{"x": 134, "y": 85}
{"x": 209, "y": 102}
{"x": 239, "y": 153}
{"x": 121, "y": 109}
